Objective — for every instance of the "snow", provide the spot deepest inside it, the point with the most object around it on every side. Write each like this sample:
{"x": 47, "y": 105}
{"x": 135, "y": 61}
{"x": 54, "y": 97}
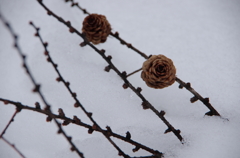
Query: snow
{"x": 201, "y": 37}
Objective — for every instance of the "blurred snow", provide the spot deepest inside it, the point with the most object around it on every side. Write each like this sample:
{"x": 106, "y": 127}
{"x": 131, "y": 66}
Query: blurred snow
{"x": 202, "y": 38}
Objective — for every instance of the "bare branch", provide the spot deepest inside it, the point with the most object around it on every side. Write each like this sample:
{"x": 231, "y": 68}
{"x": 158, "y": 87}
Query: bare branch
{"x": 13, "y": 146}
{"x": 37, "y": 86}
{"x": 74, "y": 95}
{"x": 78, "y": 122}
{"x": 112, "y": 66}
{"x": 182, "y": 84}
{"x": 10, "y": 121}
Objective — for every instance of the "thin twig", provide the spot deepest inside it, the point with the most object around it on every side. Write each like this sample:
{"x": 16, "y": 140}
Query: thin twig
{"x": 123, "y": 75}
{"x": 74, "y": 95}
{"x": 116, "y": 34}
{"x": 13, "y": 146}
{"x": 10, "y": 121}
{"x": 134, "y": 72}
{"x": 77, "y": 121}
{"x": 37, "y": 86}
{"x": 197, "y": 96}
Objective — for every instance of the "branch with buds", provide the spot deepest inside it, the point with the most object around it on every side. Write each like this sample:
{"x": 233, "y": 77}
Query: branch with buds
{"x": 37, "y": 86}
{"x": 145, "y": 103}
{"x": 197, "y": 96}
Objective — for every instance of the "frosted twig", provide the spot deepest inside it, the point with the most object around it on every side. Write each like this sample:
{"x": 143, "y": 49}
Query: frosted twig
{"x": 182, "y": 84}
{"x": 145, "y": 103}
{"x": 77, "y": 121}
{"x": 37, "y": 86}
{"x": 13, "y": 146}
{"x": 74, "y": 95}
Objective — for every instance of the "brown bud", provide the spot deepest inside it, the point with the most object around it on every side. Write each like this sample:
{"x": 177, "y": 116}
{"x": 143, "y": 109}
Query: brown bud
{"x": 94, "y": 127}
{"x": 69, "y": 138}
{"x": 129, "y": 45}
{"x": 45, "y": 44}
{"x": 102, "y": 51}
{"x": 125, "y": 86}
{"x": 49, "y": 119}
{"x": 90, "y": 131}
{"x": 107, "y": 68}
{"x": 89, "y": 114}
{"x": 48, "y": 59}
{"x": 128, "y": 135}
{"x": 136, "y": 149}
{"x": 36, "y": 89}
{"x": 83, "y": 44}
{"x": 145, "y": 105}
{"x": 206, "y": 100}
{"x": 72, "y": 148}
{"x": 116, "y": 34}
{"x": 71, "y": 30}
{"x": 168, "y": 130}
{"x": 65, "y": 123}
{"x": 6, "y": 102}
{"x": 55, "y": 65}
{"x": 109, "y": 57}
{"x": 37, "y": 105}
{"x": 188, "y": 85}
{"x": 59, "y": 131}
{"x": 76, "y": 120}
{"x": 49, "y": 12}
{"x": 61, "y": 113}
{"x": 180, "y": 86}
{"x": 193, "y": 99}
{"x": 84, "y": 11}
{"x": 124, "y": 74}
{"x": 46, "y": 53}
{"x": 67, "y": 83}
{"x": 162, "y": 113}
{"x": 158, "y": 72}
{"x": 68, "y": 23}
{"x": 96, "y": 28}
{"x": 109, "y": 129}
{"x": 74, "y": 95}
{"x": 60, "y": 19}
{"x": 58, "y": 79}
{"x": 76, "y": 105}
{"x": 139, "y": 89}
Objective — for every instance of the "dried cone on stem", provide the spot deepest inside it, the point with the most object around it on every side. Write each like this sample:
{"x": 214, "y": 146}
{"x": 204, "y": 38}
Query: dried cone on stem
{"x": 96, "y": 28}
{"x": 158, "y": 72}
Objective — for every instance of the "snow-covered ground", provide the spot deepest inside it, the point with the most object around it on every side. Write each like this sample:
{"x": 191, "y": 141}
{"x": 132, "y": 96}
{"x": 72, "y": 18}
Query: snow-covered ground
{"x": 202, "y": 38}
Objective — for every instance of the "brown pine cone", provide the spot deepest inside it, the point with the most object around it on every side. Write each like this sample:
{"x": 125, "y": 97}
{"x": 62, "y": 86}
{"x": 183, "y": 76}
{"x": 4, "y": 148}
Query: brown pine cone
{"x": 96, "y": 28}
{"x": 158, "y": 72}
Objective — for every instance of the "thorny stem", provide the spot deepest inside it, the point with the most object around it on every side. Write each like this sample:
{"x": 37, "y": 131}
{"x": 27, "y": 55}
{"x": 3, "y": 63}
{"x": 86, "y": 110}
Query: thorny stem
{"x": 78, "y": 122}
{"x": 74, "y": 95}
{"x": 13, "y": 146}
{"x": 146, "y": 104}
{"x": 198, "y": 97}
{"x": 37, "y": 86}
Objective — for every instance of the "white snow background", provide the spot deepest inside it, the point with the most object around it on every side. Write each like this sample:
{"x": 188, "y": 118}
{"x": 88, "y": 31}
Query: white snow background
{"x": 202, "y": 37}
